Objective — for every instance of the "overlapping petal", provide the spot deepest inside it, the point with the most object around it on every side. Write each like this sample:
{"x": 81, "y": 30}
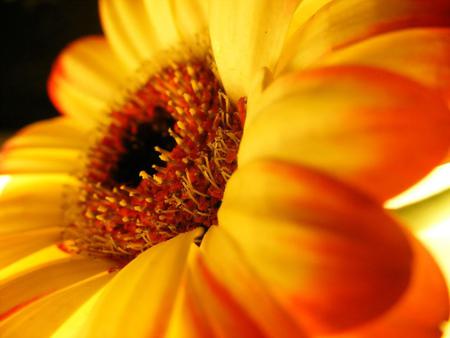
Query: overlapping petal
{"x": 20, "y": 291}
{"x": 43, "y": 317}
{"x": 323, "y": 250}
{"x": 138, "y": 301}
{"x": 228, "y": 289}
{"x": 15, "y": 246}
{"x": 247, "y": 36}
{"x": 422, "y": 54}
{"x": 359, "y": 124}
{"x": 33, "y": 201}
{"x": 137, "y": 30}
{"x": 85, "y": 78}
{"x": 59, "y": 132}
{"x": 52, "y": 146}
{"x": 421, "y": 310}
{"x": 341, "y": 23}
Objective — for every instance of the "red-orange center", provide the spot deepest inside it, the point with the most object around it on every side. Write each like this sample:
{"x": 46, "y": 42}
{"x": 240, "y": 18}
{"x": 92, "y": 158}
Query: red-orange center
{"x": 161, "y": 165}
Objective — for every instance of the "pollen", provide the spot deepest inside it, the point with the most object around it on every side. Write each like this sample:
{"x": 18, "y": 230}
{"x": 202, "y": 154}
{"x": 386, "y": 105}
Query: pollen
{"x": 160, "y": 165}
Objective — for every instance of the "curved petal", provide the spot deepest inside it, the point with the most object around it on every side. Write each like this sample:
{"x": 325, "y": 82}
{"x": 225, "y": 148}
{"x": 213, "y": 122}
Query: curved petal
{"x": 305, "y": 10}
{"x": 30, "y": 202}
{"x": 324, "y": 251}
{"x": 85, "y": 78}
{"x": 422, "y": 54}
{"x": 177, "y": 21}
{"x": 40, "y": 257}
{"x": 139, "y": 300}
{"x": 20, "y": 291}
{"x": 43, "y": 317}
{"x": 59, "y": 132}
{"x": 40, "y": 160}
{"x": 128, "y": 30}
{"x": 247, "y": 36}
{"x": 344, "y": 22}
{"x": 356, "y": 123}
{"x": 422, "y": 309}
{"x": 19, "y": 245}
{"x": 137, "y": 30}
{"x": 188, "y": 316}
{"x": 238, "y": 303}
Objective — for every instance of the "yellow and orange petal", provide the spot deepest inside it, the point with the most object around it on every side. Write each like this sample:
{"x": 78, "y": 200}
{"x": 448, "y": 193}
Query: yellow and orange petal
{"x": 359, "y": 124}
{"x": 422, "y": 54}
{"x": 342, "y": 23}
{"x": 318, "y": 245}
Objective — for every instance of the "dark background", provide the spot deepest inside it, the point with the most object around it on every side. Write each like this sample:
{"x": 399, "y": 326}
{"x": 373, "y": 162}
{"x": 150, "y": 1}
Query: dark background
{"x": 33, "y": 32}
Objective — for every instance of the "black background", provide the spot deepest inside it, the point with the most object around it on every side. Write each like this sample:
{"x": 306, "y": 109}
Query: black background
{"x": 33, "y": 32}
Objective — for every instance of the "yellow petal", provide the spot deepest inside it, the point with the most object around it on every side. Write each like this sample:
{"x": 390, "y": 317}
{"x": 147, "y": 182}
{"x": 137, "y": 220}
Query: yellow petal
{"x": 60, "y": 132}
{"x": 341, "y": 23}
{"x": 19, "y": 291}
{"x": 177, "y": 21}
{"x": 422, "y": 54}
{"x": 188, "y": 318}
{"x": 85, "y": 79}
{"x": 138, "y": 301}
{"x": 16, "y": 246}
{"x": 33, "y": 201}
{"x": 128, "y": 30}
{"x": 305, "y": 10}
{"x": 43, "y": 317}
{"x": 236, "y": 301}
{"x": 40, "y": 160}
{"x": 324, "y": 251}
{"x": 40, "y": 257}
{"x": 138, "y": 30}
{"x": 359, "y": 124}
{"x": 247, "y": 36}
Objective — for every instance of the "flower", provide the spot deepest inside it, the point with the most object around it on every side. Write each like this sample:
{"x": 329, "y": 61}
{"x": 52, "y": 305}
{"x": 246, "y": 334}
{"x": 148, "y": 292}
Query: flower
{"x": 335, "y": 95}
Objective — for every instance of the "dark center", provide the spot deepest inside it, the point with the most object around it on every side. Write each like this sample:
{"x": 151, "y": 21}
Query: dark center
{"x": 139, "y": 148}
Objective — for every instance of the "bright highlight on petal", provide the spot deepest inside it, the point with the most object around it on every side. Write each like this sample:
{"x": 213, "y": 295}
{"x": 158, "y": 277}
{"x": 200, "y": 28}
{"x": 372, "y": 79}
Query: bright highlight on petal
{"x": 4, "y": 180}
{"x": 40, "y": 257}
{"x": 435, "y": 182}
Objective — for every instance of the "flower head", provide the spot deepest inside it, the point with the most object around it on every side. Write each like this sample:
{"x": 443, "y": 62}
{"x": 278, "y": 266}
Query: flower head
{"x": 220, "y": 171}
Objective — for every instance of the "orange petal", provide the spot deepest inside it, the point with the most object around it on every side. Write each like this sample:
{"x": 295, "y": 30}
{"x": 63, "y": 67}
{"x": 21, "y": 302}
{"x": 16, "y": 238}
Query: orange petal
{"x": 235, "y": 299}
{"x": 422, "y": 54}
{"x": 19, "y": 291}
{"x": 332, "y": 257}
{"x": 138, "y": 301}
{"x": 188, "y": 318}
{"x": 43, "y": 317}
{"x": 422, "y": 309}
{"x": 359, "y": 124}
{"x": 344, "y": 22}
{"x": 85, "y": 78}
{"x": 247, "y": 36}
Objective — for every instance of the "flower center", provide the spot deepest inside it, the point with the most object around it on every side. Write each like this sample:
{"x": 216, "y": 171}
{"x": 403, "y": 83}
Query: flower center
{"x": 160, "y": 166}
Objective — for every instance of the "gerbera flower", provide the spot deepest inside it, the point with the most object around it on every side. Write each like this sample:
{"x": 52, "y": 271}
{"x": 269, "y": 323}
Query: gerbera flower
{"x": 221, "y": 172}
